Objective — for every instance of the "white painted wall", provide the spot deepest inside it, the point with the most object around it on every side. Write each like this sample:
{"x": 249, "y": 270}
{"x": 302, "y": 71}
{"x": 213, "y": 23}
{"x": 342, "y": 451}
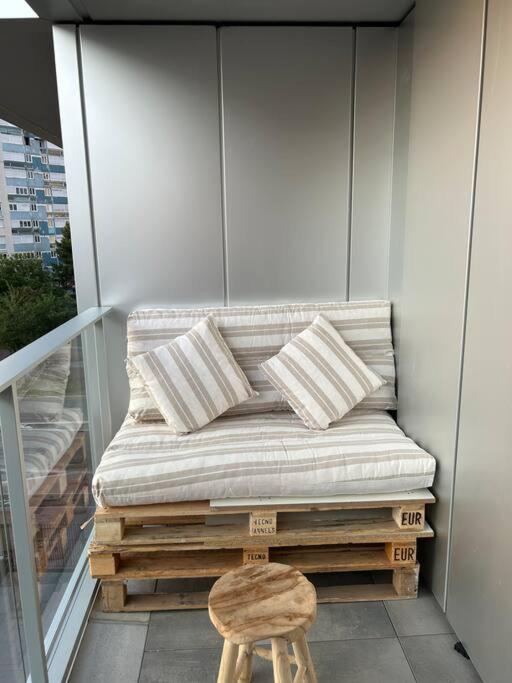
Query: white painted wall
{"x": 480, "y": 590}
{"x": 287, "y": 101}
{"x": 159, "y": 236}
{"x": 430, "y": 244}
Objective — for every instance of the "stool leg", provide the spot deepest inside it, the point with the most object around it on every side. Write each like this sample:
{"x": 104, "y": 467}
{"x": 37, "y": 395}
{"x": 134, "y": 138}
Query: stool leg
{"x": 228, "y": 663}
{"x": 282, "y": 671}
{"x": 304, "y": 662}
{"x": 244, "y": 663}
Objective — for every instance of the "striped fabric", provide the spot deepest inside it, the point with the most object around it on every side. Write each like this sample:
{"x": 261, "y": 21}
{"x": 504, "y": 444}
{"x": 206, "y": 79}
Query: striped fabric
{"x": 42, "y": 392}
{"x": 269, "y": 454}
{"x": 256, "y": 333}
{"x": 320, "y": 376}
{"x": 194, "y": 378}
{"x": 44, "y": 444}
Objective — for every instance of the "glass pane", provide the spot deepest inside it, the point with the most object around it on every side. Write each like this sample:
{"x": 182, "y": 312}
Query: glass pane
{"x": 55, "y": 434}
{"x": 37, "y": 289}
{"x": 11, "y": 629}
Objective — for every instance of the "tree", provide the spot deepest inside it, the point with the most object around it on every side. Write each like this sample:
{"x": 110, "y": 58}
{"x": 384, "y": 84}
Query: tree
{"x": 63, "y": 270}
{"x": 26, "y": 314}
{"x": 23, "y": 272}
{"x": 35, "y": 299}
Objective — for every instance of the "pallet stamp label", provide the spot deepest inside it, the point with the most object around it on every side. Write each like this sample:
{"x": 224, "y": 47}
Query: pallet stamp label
{"x": 401, "y": 553}
{"x": 409, "y": 518}
{"x": 262, "y": 523}
{"x": 255, "y": 555}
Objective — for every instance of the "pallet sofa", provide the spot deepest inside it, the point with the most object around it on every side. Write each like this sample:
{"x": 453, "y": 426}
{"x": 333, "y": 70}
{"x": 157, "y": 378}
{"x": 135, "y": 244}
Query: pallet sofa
{"x": 256, "y": 484}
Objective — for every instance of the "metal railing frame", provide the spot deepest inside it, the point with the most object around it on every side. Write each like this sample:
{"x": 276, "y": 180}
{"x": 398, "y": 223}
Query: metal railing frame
{"x": 89, "y": 323}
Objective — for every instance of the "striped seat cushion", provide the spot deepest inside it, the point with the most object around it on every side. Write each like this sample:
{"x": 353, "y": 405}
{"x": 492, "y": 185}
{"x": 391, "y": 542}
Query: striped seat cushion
{"x": 266, "y": 454}
{"x": 320, "y": 376}
{"x": 256, "y": 333}
{"x": 194, "y": 378}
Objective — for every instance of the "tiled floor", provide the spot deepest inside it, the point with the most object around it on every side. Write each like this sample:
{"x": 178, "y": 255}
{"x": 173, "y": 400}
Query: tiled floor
{"x": 397, "y": 642}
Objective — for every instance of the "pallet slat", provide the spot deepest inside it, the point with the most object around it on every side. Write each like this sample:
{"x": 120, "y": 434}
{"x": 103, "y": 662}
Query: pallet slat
{"x": 150, "y": 602}
{"x": 198, "y": 564}
{"x": 205, "y": 507}
{"x": 197, "y": 536}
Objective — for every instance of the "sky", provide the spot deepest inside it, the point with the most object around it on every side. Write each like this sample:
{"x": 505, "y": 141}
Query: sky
{"x": 16, "y": 9}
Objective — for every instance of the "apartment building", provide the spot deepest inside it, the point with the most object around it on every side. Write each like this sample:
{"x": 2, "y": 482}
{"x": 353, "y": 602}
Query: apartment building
{"x": 33, "y": 195}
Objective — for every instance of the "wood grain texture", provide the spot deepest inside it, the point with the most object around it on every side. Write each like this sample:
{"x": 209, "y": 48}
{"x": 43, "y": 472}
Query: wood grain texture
{"x": 305, "y": 667}
{"x": 243, "y": 672}
{"x": 228, "y": 663}
{"x": 203, "y": 507}
{"x": 154, "y": 602}
{"x": 405, "y": 581}
{"x": 256, "y": 602}
{"x": 200, "y": 563}
{"x": 410, "y": 517}
{"x": 291, "y": 532}
{"x": 280, "y": 661}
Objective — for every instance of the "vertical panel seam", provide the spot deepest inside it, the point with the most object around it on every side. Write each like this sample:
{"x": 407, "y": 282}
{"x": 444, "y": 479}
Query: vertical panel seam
{"x": 87, "y": 163}
{"x": 466, "y": 297}
{"x": 351, "y": 164}
{"x": 223, "y": 198}
{"x": 392, "y": 166}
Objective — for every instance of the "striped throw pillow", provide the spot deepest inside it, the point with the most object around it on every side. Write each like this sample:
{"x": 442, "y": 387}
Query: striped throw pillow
{"x": 194, "y": 378}
{"x": 320, "y": 376}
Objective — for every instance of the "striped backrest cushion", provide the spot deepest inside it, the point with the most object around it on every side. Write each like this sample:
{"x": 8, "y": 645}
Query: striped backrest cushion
{"x": 256, "y": 333}
{"x": 42, "y": 392}
{"x": 194, "y": 378}
{"x": 320, "y": 376}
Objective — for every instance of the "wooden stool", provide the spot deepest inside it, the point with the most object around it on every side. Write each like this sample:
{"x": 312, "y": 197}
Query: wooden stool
{"x": 260, "y": 601}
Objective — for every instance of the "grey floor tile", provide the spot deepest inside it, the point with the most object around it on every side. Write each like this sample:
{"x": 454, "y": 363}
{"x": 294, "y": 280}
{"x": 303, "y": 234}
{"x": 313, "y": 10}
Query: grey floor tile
{"x": 358, "y": 661}
{"x": 142, "y": 586}
{"x": 181, "y": 630}
{"x": 433, "y": 660}
{"x": 422, "y": 616}
{"x": 355, "y": 661}
{"x": 97, "y": 614}
{"x": 11, "y": 662}
{"x": 183, "y": 666}
{"x": 110, "y": 652}
{"x": 346, "y": 621}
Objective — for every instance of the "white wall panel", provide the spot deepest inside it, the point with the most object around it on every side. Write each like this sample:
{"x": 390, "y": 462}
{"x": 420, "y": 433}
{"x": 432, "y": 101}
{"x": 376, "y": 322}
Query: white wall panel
{"x": 287, "y": 108}
{"x": 158, "y": 233}
{"x": 374, "y": 112}
{"x": 400, "y": 164}
{"x": 480, "y": 584}
{"x": 77, "y": 182}
{"x": 443, "y": 121}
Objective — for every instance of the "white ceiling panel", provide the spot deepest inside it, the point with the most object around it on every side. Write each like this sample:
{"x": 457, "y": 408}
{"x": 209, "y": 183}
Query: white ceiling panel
{"x": 352, "y": 11}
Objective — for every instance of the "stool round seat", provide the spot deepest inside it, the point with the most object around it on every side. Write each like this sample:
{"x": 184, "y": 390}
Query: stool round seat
{"x": 255, "y": 602}
{"x": 260, "y": 601}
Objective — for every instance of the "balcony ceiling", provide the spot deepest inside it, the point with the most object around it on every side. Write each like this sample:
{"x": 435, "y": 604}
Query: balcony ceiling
{"x": 243, "y": 11}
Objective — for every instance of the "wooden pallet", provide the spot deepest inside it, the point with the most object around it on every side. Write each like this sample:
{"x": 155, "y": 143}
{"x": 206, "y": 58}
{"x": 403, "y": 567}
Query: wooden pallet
{"x": 52, "y": 522}
{"x": 56, "y": 481}
{"x": 198, "y": 539}
{"x": 64, "y": 491}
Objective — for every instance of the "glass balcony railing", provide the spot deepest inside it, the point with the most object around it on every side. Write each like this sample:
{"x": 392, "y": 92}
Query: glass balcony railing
{"x": 54, "y": 425}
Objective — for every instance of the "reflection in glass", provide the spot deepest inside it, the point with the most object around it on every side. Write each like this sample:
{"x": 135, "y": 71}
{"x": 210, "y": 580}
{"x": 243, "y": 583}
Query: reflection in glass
{"x": 11, "y": 656}
{"x": 54, "y": 427}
